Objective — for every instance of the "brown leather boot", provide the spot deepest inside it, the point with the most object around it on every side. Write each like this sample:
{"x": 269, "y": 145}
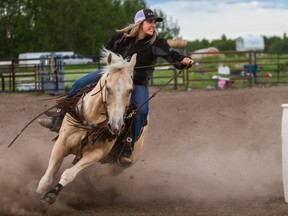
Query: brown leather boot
{"x": 124, "y": 158}
{"x": 47, "y": 123}
{"x": 53, "y": 124}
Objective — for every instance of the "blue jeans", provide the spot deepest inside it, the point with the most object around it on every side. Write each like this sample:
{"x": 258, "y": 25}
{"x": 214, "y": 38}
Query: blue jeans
{"x": 90, "y": 78}
{"x": 139, "y": 95}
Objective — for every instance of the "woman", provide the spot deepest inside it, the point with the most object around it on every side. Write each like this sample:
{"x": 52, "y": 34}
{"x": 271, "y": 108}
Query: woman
{"x": 141, "y": 38}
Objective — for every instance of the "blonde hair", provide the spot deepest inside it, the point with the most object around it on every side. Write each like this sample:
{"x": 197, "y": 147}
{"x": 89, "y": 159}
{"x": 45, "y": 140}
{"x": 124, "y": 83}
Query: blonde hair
{"x": 132, "y": 30}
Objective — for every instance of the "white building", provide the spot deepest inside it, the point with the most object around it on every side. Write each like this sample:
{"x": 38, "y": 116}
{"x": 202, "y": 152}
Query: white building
{"x": 69, "y": 57}
{"x": 250, "y": 43}
{"x": 34, "y": 58}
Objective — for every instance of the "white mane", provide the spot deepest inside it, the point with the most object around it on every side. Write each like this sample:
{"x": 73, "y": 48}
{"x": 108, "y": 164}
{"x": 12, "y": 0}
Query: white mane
{"x": 117, "y": 63}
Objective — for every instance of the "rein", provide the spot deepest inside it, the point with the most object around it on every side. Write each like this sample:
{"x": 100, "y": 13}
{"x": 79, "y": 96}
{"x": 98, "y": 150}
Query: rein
{"x": 167, "y": 64}
{"x": 133, "y": 112}
{"x": 29, "y": 124}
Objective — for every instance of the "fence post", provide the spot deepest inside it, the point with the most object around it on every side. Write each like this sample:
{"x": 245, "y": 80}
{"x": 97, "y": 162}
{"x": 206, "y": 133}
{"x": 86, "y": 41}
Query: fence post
{"x": 278, "y": 67}
{"x": 176, "y": 79}
{"x": 13, "y": 76}
{"x": 250, "y": 69}
{"x": 3, "y": 83}
{"x": 255, "y": 63}
{"x": 36, "y": 76}
{"x": 186, "y": 78}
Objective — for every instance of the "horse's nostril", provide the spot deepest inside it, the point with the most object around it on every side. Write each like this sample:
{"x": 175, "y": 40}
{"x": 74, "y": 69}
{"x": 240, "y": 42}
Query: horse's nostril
{"x": 116, "y": 131}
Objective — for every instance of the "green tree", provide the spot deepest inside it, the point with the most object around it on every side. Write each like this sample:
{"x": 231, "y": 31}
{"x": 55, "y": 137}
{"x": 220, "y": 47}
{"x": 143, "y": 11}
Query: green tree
{"x": 223, "y": 45}
{"x": 279, "y": 46}
{"x": 130, "y": 7}
{"x": 269, "y": 41}
{"x": 53, "y": 25}
{"x": 14, "y": 26}
{"x": 223, "y": 37}
{"x": 169, "y": 28}
{"x": 195, "y": 45}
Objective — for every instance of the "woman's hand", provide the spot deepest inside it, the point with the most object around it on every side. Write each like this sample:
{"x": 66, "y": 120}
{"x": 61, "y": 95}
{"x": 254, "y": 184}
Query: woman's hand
{"x": 187, "y": 61}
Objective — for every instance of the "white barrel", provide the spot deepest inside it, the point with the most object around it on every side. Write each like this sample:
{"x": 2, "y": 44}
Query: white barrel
{"x": 284, "y": 133}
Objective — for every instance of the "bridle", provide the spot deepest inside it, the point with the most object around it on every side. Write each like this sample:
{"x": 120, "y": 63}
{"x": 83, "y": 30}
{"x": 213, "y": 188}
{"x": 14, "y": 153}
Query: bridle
{"x": 103, "y": 92}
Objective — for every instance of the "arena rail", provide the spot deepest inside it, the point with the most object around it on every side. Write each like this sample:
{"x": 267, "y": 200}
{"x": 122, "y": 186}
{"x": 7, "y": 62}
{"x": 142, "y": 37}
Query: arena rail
{"x": 245, "y": 70}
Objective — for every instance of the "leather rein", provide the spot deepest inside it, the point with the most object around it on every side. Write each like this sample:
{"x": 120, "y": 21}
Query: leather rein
{"x": 133, "y": 112}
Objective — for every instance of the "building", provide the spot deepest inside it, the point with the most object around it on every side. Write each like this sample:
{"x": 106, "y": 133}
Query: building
{"x": 250, "y": 43}
{"x": 35, "y": 57}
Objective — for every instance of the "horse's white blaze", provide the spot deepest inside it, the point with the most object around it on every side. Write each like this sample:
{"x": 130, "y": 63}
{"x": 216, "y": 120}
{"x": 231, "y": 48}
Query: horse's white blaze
{"x": 117, "y": 110}
{"x": 285, "y": 150}
{"x": 119, "y": 107}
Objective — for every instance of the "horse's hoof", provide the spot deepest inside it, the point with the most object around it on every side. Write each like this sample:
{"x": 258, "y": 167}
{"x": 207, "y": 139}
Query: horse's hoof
{"x": 48, "y": 199}
{"x": 43, "y": 208}
{"x": 44, "y": 204}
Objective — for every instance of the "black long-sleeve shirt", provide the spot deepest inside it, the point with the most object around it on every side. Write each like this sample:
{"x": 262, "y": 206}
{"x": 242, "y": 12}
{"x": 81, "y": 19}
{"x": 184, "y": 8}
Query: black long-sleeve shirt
{"x": 146, "y": 54}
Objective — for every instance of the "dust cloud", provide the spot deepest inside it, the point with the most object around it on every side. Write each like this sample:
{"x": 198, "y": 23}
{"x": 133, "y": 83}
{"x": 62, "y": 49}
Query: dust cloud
{"x": 203, "y": 146}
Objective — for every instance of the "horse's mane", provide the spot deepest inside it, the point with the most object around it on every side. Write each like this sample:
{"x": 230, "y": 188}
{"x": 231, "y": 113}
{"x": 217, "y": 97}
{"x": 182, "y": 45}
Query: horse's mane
{"x": 117, "y": 63}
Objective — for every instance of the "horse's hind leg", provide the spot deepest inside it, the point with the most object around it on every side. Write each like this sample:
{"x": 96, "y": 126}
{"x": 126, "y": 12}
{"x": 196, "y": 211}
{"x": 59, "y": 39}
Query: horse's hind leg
{"x": 88, "y": 159}
{"x": 56, "y": 159}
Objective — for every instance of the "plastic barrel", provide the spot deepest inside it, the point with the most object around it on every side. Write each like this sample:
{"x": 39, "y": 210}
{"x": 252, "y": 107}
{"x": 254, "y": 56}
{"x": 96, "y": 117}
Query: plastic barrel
{"x": 284, "y": 134}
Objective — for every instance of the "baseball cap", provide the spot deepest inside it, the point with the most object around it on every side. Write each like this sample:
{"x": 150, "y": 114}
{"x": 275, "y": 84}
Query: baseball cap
{"x": 146, "y": 14}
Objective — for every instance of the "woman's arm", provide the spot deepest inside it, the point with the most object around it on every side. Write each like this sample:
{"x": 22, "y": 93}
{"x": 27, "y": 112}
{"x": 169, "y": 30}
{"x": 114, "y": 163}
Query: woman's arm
{"x": 162, "y": 49}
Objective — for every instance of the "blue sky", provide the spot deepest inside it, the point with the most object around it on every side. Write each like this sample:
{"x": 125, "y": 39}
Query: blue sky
{"x": 210, "y": 19}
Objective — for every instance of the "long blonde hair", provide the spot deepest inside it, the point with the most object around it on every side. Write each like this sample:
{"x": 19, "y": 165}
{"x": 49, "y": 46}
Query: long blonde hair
{"x": 132, "y": 30}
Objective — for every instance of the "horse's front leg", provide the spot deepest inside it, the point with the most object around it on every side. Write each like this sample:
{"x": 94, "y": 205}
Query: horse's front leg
{"x": 59, "y": 152}
{"x": 88, "y": 159}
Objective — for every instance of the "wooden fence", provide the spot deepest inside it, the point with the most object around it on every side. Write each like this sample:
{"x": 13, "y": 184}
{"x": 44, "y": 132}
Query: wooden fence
{"x": 211, "y": 71}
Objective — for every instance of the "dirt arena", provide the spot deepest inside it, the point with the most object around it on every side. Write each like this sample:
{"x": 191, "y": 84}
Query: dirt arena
{"x": 207, "y": 153}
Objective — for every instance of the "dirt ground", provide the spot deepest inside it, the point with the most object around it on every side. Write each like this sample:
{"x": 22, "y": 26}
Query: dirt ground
{"x": 207, "y": 153}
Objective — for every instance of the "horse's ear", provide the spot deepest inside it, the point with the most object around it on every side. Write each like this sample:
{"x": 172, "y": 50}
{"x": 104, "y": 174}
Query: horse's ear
{"x": 109, "y": 59}
{"x": 133, "y": 61}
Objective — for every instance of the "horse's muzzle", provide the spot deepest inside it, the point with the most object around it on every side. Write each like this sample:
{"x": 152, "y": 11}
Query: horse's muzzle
{"x": 115, "y": 129}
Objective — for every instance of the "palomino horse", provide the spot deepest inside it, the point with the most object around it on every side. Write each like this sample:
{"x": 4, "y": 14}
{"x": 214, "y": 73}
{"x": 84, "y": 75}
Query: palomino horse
{"x": 107, "y": 102}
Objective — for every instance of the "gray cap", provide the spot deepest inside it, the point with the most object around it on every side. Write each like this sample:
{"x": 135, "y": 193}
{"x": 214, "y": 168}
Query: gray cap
{"x": 146, "y": 14}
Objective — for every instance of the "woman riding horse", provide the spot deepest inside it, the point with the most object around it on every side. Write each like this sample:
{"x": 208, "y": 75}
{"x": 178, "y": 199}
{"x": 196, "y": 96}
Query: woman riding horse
{"x": 93, "y": 129}
{"x": 141, "y": 38}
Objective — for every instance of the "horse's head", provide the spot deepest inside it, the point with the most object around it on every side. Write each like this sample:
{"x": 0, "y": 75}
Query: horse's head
{"x": 117, "y": 89}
